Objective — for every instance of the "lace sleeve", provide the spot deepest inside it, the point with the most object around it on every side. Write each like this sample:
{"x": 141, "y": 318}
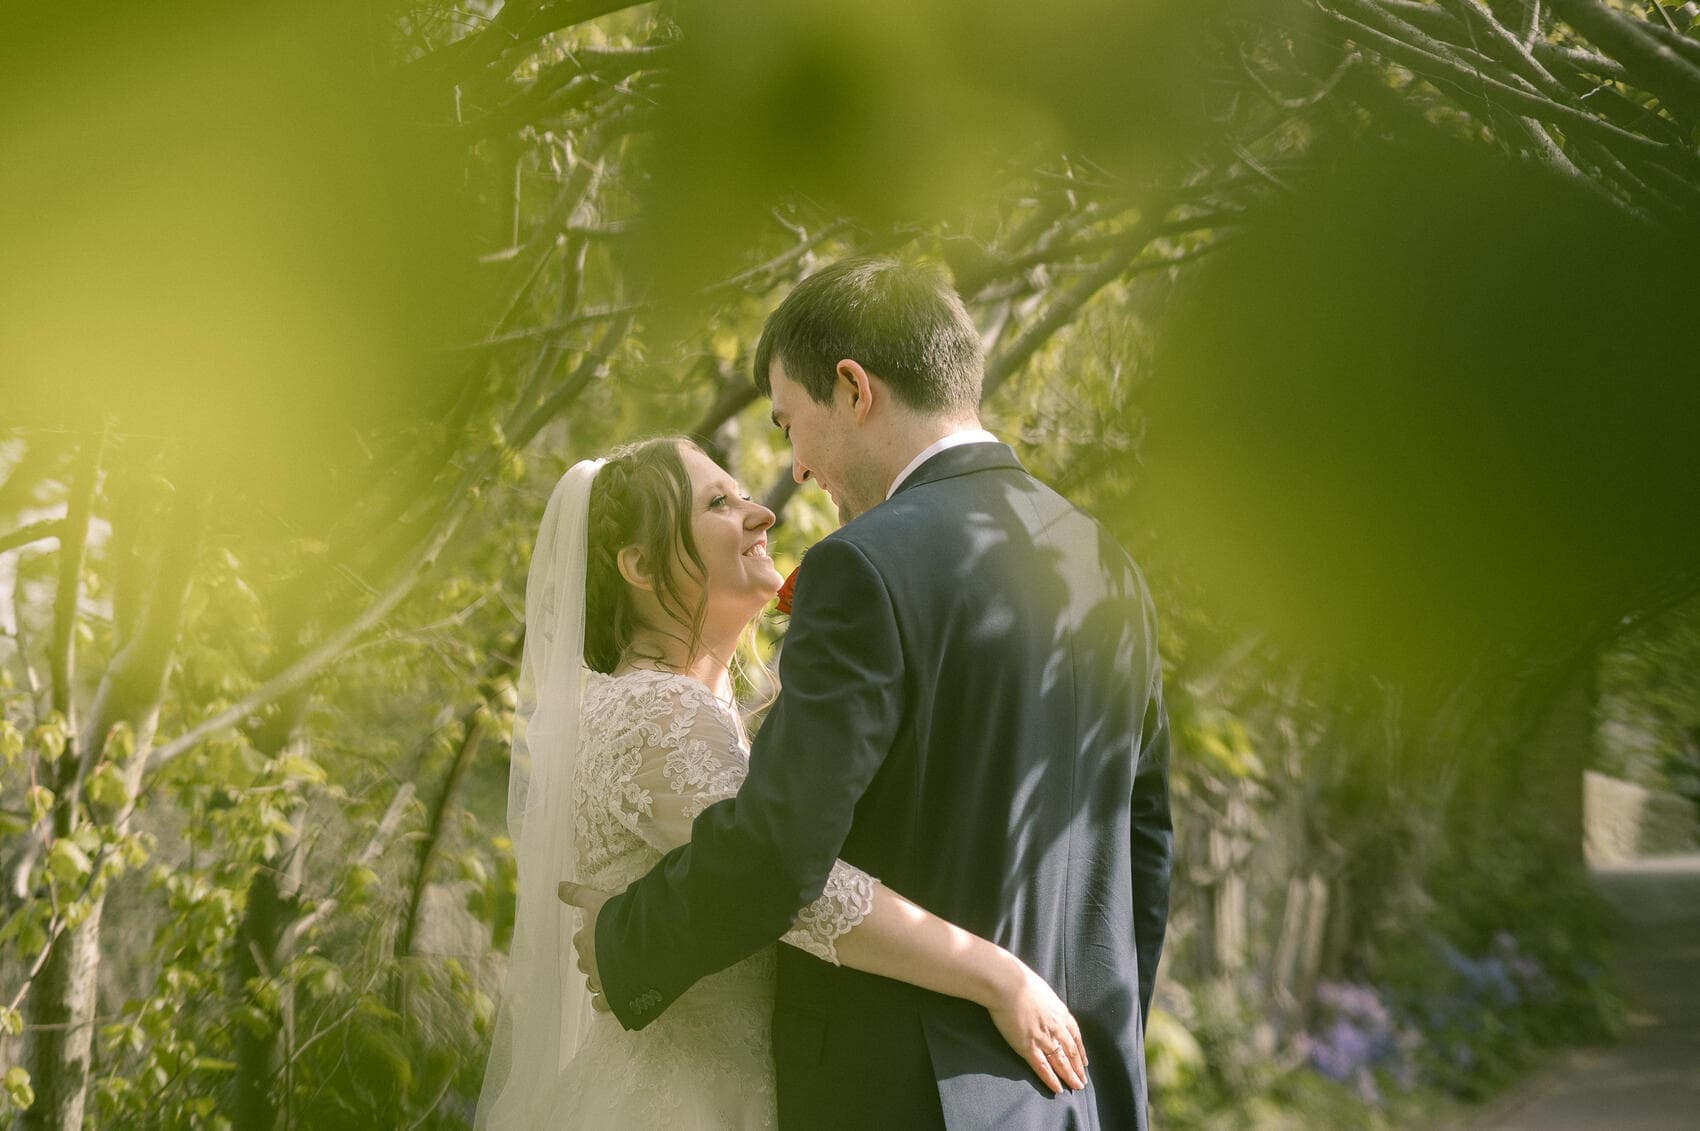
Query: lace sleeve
{"x": 687, "y": 757}
{"x": 691, "y": 755}
{"x": 848, "y": 898}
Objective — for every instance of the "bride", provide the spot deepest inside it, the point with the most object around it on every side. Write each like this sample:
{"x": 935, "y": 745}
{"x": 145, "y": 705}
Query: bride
{"x": 648, "y": 568}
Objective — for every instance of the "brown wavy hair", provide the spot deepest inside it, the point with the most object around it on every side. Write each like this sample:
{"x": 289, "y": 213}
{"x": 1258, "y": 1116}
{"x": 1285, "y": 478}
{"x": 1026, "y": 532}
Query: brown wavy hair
{"x": 642, "y": 498}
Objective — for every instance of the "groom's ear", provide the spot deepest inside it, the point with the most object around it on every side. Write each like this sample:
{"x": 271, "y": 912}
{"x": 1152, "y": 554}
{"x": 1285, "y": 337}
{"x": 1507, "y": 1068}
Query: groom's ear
{"x": 631, "y": 564}
{"x": 857, "y": 385}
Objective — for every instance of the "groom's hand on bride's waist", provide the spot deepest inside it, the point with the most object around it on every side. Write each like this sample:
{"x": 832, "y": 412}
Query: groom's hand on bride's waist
{"x": 590, "y": 901}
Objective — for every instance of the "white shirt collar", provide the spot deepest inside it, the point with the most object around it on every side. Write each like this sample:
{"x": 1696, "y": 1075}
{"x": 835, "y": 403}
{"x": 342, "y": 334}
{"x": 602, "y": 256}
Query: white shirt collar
{"x": 954, "y": 440}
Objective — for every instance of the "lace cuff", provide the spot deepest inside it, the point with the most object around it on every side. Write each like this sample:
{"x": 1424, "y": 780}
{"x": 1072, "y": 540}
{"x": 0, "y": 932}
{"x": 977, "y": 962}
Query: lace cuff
{"x": 845, "y": 902}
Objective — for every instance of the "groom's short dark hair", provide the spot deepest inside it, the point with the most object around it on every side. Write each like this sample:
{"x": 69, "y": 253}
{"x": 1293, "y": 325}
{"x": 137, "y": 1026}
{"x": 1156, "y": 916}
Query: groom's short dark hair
{"x": 903, "y": 322}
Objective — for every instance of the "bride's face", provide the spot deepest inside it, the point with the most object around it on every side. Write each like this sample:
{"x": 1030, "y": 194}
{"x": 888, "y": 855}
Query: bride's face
{"x": 730, "y": 531}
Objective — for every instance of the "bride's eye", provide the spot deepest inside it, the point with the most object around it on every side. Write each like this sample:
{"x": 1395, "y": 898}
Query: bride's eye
{"x": 717, "y": 501}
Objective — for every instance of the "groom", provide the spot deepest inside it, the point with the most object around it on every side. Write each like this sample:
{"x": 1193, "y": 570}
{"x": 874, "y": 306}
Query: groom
{"x": 971, "y": 711}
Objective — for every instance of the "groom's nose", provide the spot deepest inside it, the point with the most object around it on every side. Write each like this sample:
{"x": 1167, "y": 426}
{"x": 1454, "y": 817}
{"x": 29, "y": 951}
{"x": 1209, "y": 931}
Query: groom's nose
{"x": 799, "y": 472}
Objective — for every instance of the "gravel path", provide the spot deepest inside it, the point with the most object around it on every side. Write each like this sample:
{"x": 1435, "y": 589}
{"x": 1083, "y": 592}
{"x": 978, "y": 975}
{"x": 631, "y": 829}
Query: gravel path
{"x": 1650, "y": 1081}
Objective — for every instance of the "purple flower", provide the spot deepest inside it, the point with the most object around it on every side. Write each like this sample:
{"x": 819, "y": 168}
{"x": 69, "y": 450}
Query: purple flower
{"x": 1356, "y": 1038}
{"x": 1361, "y": 1003}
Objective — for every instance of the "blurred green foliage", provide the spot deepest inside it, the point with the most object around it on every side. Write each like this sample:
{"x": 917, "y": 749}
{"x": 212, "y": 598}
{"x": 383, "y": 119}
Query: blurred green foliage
{"x": 1650, "y": 702}
{"x": 1428, "y": 407}
{"x": 228, "y": 230}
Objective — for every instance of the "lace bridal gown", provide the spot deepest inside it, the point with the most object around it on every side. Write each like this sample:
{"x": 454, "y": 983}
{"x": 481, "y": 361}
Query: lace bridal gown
{"x": 655, "y": 750}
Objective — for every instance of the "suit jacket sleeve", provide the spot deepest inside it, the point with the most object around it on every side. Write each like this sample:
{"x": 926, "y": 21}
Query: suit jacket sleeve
{"x": 1151, "y": 833}
{"x": 753, "y": 861}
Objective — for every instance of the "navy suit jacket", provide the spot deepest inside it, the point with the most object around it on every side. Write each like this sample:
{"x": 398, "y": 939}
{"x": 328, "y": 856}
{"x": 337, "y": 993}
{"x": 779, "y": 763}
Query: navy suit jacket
{"x": 971, "y": 710}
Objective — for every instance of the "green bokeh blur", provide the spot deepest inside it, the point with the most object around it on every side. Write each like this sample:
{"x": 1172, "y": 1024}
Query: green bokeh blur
{"x": 896, "y": 111}
{"x": 1431, "y": 405}
{"x": 221, "y": 227}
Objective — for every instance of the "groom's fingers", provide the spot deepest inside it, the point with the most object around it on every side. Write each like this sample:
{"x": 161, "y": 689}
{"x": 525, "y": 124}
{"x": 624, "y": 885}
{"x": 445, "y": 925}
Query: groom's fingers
{"x": 588, "y": 898}
{"x": 584, "y": 953}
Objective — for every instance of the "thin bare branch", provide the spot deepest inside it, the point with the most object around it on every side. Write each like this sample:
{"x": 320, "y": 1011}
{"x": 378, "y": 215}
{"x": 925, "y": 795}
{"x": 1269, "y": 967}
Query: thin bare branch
{"x": 593, "y": 362}
{"x": 1474, "y": 84}
{"x": 1658, "y": 66}
{"x": 73, "y": 545}
{"x": 1062, "y": 311}
{"x": 514, "y": 26}
{"x": 34, "y": 532}
{"x": 380, "y": 840}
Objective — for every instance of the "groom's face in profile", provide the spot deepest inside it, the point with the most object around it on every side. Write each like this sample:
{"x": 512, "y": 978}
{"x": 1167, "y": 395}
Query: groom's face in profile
{"x": 823, "y": 441}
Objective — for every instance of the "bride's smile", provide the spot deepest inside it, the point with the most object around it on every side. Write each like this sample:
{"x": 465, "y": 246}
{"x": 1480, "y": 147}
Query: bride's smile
{"x": 730, "y": 532}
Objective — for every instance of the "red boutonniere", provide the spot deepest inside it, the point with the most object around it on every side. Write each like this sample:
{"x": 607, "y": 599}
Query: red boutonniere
{"x": 783, "y": 602}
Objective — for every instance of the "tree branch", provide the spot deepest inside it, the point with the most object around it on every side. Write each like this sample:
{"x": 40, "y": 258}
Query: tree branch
{"x": 504, "y": 658}
{"x": 34, "y": 532}
{"x": 592, "y": 363}
{"x": 591, "y": 70}
{"x": 73, "y": 544}
{"x": 1474, "y": 84}
{"x": 999, "y": 369}
{"x": 733, "y": 399}
{"x": 381, "y": 837}
{"x": 514, "y": 26}
{"x": 1654, "y": 64}
{"x": 334, "y": 645}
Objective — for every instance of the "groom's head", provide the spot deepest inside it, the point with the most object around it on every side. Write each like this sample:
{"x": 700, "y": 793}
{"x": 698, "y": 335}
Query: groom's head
{"x": 859, "y": 360}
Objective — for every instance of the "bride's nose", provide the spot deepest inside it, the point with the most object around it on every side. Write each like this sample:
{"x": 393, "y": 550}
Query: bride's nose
{"x": 760, "y": 517}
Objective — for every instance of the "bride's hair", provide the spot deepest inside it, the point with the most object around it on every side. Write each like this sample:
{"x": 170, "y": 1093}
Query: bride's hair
{"x": 642, "y": 498}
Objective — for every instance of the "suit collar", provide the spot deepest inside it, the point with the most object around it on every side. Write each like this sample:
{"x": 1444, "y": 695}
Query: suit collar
{"x": 961, "y": 461}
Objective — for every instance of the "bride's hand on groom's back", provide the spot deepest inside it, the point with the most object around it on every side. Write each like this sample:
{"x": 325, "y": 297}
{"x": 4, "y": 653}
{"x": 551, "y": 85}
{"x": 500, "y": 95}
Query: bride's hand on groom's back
{"x": 1039, "y": 1027}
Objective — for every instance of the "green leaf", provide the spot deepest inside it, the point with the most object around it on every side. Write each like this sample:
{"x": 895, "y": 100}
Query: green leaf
{"x": 11, "y": 743}
{"x": 135, "y": 849}
{"x": 49, "y": 738}
{"x": 67, "y": 863}
{"x": 298, "y": 768}
{"x": 40, "y": 801}
{"x": 361, "y": 880}
{"x": 11, "y": 1022}
{"x": 106, "y": 787}
{"x": 18, "y": 1090}
{"x": 14, "y": 926}
{"x": 120, "y": 743}
{"x": 274, "y": 820}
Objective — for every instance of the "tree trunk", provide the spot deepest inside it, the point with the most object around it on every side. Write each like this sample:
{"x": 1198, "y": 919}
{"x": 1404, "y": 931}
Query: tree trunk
{"x": 268, "y": 910}
{"x": 59, "y": 1011}
{"x": 59, "y": 1037}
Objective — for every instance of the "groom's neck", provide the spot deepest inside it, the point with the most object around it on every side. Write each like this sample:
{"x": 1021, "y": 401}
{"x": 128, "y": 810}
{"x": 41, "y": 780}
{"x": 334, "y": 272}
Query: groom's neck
{"x": 915, "y": 435}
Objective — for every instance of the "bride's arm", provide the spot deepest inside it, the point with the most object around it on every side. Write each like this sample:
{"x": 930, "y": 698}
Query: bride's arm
{"x": 694, "y": 758}
{"x": 860, "y": 923}
{"x": 898, "y": 939}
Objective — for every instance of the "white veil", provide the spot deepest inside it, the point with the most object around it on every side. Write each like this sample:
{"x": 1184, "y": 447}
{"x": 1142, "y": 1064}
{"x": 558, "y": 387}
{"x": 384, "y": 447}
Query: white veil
{"x": 545, "y": 1007}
